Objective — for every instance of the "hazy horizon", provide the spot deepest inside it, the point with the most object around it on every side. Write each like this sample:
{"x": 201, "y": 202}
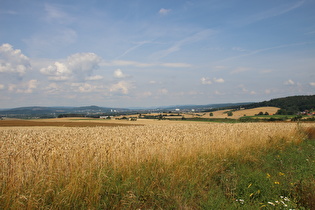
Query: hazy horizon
{"x": 146, "y": 53}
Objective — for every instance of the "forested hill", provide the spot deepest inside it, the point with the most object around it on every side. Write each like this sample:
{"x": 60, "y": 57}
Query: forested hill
{"x": 288, "y": 105}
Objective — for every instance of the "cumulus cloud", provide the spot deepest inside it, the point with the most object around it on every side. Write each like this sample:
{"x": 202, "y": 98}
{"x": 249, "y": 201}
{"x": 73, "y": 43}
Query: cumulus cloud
{"x": 312, "y": 84}
{"x": 84, "y": 87}
{"x": 78, "y": 66}
{"x": 13, "y": 61}
{"x": 28, "y": 87}
{"x": 208, "y": 81}
{"x": 119, "y": 74}
{"x": 289, "y": 82}
{"x": 219, "y": 80}
{"x": 205, "y": 81}
{"x": 121, "y": 87}
{"x": 163, "y": 11}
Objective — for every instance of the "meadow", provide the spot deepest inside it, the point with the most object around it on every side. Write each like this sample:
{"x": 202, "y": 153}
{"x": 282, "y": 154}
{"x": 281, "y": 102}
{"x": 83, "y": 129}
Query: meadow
{"x": 158, "y": 166}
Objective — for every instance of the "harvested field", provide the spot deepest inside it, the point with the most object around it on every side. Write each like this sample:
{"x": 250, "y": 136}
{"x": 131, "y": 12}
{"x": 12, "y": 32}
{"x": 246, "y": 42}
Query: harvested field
{"x": 26, "y": 123}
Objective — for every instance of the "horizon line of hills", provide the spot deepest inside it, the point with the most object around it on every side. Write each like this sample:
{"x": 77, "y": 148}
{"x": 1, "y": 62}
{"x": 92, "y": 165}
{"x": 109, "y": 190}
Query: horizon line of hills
{"x": 287, "y": 105}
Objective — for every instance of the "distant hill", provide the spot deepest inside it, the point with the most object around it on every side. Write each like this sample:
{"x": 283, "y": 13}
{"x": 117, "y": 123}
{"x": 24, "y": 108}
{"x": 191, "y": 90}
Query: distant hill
{"x": 288, "y": 105}
{"x": 38, "y": 111}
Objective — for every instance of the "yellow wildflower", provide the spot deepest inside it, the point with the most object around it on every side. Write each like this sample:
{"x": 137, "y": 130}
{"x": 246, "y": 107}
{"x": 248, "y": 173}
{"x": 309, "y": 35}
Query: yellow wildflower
{"x": 281, "y": 174}
{"x": 277, "y": 182}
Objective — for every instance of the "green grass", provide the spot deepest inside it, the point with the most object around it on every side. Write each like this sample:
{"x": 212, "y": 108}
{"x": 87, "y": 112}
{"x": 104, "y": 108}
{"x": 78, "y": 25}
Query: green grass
{"x": 283, "y": 176}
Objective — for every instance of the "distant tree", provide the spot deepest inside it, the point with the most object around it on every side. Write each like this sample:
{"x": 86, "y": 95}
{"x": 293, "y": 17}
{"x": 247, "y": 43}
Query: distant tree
{"x": 230, "y": 113}
{"x": 260, "y": 113}
{"x": 266, "y": 113}
{"x": 211, "y": 114}
{"x": 160, "y": 117}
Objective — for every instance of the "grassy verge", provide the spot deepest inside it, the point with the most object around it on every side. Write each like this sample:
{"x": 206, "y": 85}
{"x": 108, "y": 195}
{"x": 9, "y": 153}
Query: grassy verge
{"x": 278, "y": 177}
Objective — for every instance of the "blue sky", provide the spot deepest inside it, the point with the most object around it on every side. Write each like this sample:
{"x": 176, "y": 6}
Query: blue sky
{"x": 142, "y": 53}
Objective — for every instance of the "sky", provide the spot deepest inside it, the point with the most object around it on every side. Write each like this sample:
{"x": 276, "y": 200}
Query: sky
{"x": 145, "y": 53}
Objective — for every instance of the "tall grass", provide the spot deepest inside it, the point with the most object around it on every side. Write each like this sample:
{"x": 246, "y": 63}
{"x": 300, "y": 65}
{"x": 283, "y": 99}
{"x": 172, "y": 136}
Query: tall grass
{"x": 184, "y": 166}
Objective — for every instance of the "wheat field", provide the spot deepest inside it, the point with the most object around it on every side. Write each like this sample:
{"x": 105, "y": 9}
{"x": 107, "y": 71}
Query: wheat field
{"x": 56, "y": 166}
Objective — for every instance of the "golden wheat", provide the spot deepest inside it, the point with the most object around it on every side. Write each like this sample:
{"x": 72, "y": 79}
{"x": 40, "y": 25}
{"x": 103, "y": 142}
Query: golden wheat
{"x": 55, "y": 162}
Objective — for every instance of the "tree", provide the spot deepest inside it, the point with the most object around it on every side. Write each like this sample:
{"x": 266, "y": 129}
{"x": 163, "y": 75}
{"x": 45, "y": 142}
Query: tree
{"x": 211, "y": 114}
{"x": 230, "y": 113}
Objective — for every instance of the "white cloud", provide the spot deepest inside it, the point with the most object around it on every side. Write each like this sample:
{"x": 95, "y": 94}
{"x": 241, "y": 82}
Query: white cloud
{"x": 267, "y": 91}
{"x": 57, "y": 69}
{"x": 13, "y": 61}
{"x": 163, "y": 91}
{"x": 163, "y": 11}
{"x": 11, "y": 87}
{"x": 1, "y": 86}
{"x": 289, "y": 82}
{"x": 119, "y": 74}
{"x": 219, "y": 80}
{"x": 28, "y": 87}
{"x": 58, "y": 78}
{"x": 78, "y": 66}
{"x": 122, "y": 87}
{"x": 208, "y": 81}
{"x": 205, "y": 81}
{"x": 312, "y": 84}
{"x": 84, "y": 87}
{"x": 93, "y": 78}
